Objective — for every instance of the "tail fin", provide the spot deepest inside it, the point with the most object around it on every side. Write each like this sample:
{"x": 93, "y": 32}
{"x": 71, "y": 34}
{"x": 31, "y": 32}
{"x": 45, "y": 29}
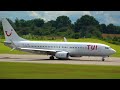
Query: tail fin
{"x": 9, "y": 32}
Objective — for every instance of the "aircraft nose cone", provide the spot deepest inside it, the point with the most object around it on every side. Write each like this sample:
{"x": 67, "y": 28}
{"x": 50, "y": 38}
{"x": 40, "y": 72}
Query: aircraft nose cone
{"x": 113, "y": 51}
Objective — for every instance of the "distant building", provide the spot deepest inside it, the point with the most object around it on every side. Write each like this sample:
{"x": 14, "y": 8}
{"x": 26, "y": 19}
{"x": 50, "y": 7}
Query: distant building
{"x": 110, "y": 35}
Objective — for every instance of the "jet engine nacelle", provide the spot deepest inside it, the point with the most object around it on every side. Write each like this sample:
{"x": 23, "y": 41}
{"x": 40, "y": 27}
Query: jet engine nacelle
{"x": 62, "y": 55}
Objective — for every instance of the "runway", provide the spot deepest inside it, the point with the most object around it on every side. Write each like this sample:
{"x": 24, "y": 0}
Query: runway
{"x": 45, "y": 59}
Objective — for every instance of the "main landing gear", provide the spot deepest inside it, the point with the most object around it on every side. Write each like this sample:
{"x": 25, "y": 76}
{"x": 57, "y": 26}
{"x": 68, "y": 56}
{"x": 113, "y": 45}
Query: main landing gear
{"x": 103, "y": 58}
{"x": 51, "y": 57}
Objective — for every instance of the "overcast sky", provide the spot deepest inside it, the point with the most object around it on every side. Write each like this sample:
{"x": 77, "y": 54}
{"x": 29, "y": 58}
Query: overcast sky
{"x": 105, "y": 17}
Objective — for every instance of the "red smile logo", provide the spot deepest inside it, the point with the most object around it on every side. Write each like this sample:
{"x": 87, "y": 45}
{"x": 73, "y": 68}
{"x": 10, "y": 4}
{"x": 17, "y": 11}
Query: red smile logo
{"x": 9, "y": 33}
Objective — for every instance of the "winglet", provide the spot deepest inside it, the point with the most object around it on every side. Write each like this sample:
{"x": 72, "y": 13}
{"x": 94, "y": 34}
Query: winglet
{"x": 65, "y": 40}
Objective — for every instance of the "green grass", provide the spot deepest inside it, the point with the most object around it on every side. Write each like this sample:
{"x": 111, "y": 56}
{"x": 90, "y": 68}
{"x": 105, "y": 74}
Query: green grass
{"x": 4, "y": 49}
{"x": 9, "y": 70}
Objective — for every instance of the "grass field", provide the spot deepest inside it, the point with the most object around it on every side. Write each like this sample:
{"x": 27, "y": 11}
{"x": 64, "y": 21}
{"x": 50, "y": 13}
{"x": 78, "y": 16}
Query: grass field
{"x": 4, "y": 49}
{"x": 57, "y": 71}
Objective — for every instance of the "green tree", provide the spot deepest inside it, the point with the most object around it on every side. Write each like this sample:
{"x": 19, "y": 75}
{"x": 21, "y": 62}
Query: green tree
{"x": 76, "y": 36}
{"x": 117, "y": 29}
{"x": 111, "y": 29}
{"x": 52, "y": 23}
{"x": 85, "y": 21}
{"x": 17, "y": 22}
{"x": 90, "y": 31}
{"x": 63, "y": 21}
{"x": 38, "y": 22}
{"x": 88, "y": 26}
{"x": 23, "y": 23}
{"x": 103, "y": 28}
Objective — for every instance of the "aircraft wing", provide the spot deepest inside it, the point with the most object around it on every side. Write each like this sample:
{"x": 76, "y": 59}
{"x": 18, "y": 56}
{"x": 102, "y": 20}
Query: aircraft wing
{"x": 40, "y": 50}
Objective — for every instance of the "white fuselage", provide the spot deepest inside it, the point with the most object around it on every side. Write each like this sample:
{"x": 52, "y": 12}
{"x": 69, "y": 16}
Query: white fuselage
{"x": 73, "y": 48}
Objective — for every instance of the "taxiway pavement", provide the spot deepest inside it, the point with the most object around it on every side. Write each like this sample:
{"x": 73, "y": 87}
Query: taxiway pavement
{"x": 45, "y": 59}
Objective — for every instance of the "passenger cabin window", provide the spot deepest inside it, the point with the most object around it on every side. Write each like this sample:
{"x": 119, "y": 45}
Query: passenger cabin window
{"x": 106, "y": 47}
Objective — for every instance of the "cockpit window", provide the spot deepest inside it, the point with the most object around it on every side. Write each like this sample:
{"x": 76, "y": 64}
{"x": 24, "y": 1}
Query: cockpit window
{"x": 106, "y": 47}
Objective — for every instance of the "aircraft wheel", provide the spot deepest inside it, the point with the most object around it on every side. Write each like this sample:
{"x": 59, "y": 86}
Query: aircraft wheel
{"x": 103, "y": 59}
{"x": 51, "y": 57}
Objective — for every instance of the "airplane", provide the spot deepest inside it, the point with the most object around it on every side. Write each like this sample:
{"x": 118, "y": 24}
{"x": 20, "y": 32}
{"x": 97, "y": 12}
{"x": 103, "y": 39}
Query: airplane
{"x": 60, "y": 50}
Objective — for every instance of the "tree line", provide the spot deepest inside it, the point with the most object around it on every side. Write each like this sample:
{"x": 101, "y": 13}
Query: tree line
{"x": 84, "y": 27}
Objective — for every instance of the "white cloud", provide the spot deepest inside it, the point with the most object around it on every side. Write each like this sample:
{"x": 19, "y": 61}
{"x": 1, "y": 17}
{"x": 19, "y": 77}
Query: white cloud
{"x": 34, "y": 14}
{"x": 107, "y": 17}
{"x": 86, "y": 13}
{"x": 52, "y": 15}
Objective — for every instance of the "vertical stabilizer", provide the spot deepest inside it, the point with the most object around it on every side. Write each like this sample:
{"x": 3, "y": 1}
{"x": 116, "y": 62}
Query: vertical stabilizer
{"x": 9, "y": 32}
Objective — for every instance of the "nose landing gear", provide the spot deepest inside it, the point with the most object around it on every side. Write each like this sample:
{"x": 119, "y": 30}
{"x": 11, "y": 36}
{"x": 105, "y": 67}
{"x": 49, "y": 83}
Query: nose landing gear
{"x": 103, "y": 58}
